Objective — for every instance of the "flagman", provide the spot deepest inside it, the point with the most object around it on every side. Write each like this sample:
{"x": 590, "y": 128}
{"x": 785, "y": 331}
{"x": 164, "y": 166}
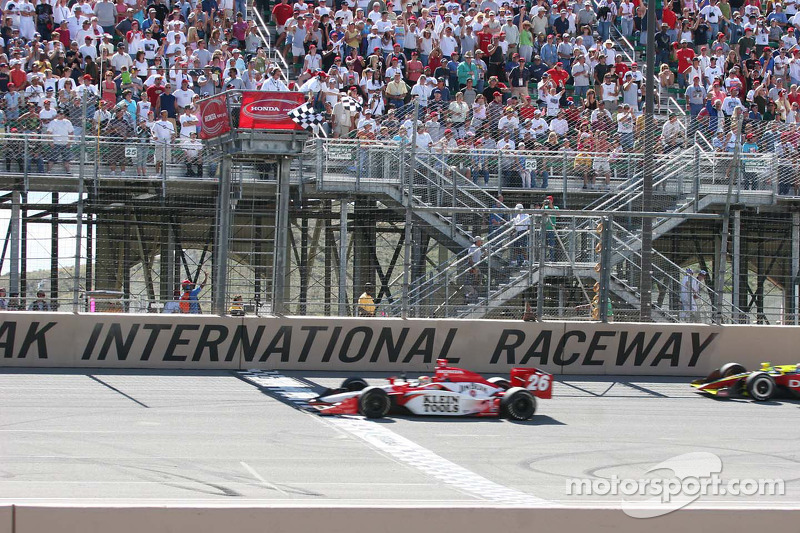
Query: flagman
{"x": 274, "y": 83}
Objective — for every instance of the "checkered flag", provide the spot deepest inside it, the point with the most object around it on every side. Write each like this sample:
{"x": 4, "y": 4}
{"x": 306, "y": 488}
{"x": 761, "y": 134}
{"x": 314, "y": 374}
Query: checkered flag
{"x": 350, "y": 104}
{"x": 306, "y": 116}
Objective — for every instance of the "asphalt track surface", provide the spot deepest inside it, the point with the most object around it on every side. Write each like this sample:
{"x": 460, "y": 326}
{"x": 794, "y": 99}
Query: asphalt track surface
{"x": 214, "y": 438}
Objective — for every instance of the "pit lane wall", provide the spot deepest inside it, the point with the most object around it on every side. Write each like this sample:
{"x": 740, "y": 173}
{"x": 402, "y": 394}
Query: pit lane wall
{"x": 65, "y": 340}
{"x": 127, "y": 519}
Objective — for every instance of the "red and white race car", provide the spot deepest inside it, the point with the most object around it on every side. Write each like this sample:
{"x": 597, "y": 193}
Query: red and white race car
{"x": 450, "y": 392}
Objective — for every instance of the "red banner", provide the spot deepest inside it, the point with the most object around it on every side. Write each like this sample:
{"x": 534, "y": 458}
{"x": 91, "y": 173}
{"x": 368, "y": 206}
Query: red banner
{"x": 214, "y": 118}
{"x": 269, "y": 111}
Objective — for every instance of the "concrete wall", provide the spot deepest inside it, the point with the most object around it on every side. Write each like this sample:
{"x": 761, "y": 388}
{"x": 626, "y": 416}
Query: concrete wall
{"x": 37, "y": 519}
{"x": 358, "y": 345}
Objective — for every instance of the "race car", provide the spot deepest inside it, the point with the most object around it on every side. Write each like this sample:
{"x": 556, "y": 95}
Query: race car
{"x": 450, "y": 392}
{"x": 733, "y": 379}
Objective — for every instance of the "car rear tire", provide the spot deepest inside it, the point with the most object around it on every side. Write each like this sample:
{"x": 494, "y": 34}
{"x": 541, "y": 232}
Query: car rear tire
{"x": 354, "y": 384}
{"x": 760, "y": 386}
{"x": 518, "y": 404}
{"x": 500, "y": 382}
{"x": 374, "y": 402}
{"x": 731, "y": 369}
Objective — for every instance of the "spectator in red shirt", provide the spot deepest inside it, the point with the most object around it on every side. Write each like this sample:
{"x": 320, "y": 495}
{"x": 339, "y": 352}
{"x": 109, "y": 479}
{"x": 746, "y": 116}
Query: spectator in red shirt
{"x": 559, "y": 75}
{"x": 527, "y": 109}
{"x": 620, "y": 68}
{"x": 484, "y": 38}
{"x": 18, "y": 76}
{"x": 685, "y": 55}
{"x": 280, "y": 14}
{"x": 155, "y": 91}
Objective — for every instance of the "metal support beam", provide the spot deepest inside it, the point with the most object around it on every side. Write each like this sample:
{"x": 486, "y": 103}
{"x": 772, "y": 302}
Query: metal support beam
{"x": 646, "y": 282}
{"x": 281, "y": 238}
{"x": 329, "y": 245}
{"x": 343, "y": 258}
{"x": 737, "y": 265}
{"x": 79, "y": 215}
{"x": 23, "y": 247}
{"x": 304, "y": 266}
{"x": 793, "y": 291}
{"x": 54, "y": 252}
{"x": 605, "y": 271}
{"x": 258, "y": 259}
{"x": 13, "y": 260}
{"x": 542, "y": 255}
{"x": 219, "y": 295}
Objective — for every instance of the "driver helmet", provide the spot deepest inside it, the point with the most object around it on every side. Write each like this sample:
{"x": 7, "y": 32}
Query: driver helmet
{"x": 424, "y": 380}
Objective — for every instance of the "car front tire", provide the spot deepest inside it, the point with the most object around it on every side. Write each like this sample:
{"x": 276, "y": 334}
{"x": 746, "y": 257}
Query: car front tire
{"x": 760, "y": 386}
{"x": 374, "y": 402}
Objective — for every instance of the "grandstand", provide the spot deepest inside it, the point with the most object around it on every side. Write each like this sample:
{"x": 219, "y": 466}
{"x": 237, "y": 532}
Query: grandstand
{"x": 433, "y": 125}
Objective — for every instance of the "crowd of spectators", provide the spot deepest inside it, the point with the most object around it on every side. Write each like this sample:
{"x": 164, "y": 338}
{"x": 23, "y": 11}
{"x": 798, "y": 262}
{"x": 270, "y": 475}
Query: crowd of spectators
{"x": 128, "y": 70}
{"x": 500, "y": 75}
{"x": 513, "y": 75}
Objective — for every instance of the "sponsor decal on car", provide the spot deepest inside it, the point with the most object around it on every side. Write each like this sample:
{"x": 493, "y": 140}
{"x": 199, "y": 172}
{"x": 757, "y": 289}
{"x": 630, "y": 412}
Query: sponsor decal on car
{"x": 440, "y": 403}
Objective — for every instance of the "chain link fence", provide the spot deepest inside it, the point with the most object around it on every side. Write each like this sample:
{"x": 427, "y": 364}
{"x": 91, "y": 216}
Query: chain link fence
{"x": 120, "y": 224}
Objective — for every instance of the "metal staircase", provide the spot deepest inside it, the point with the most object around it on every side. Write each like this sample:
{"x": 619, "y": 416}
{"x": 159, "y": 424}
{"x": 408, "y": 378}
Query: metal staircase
{"x": 625, "y": 258}
{"x": 386, "y": 170}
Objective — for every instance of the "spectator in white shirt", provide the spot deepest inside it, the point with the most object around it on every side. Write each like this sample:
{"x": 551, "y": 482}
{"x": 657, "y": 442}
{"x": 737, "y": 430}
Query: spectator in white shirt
{"x": 61, "y": 131}
{"x": 184, "y": 96}
{"x": 274, "y": 83}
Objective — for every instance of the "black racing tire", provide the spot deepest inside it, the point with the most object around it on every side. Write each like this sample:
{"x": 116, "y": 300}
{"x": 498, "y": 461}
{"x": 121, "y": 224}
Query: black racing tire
{"x": 760, "y": 386}
{"x": 731, "y": 369}
{"x": 374, "y": 402}
{"x": 354, "y": 384}
{"x": 500, "y": 382}
{"x": 518, "y": 404}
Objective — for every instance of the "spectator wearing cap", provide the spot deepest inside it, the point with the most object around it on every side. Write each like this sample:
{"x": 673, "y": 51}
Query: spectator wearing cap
{"x": 780, "y": 65}
{"x": 123, "y": 27}
{"x": 695, "y": 96}
{"x": 496, "y": 59}
{"x": 163, "y": 136}
{"x": 467, "y": 69}
{"x": 565, "y": 51}
{"x": 672, "y": 134}
{"x": 712, "y": 15}
{"x": 663, "y": 44}
{"x": 443, "y": 90}
{"x": 88, "y": 88}
{"x": 48, "y": 111}
{"x": 558, "y": 76}
{"x": 549, "y": 52}
{"x": 120, "y": 59}
{"x": 789, "y": 40}
{"x": 581, "y": 76}
{"x": 512, "y": 32}
{"x": 155, "y": 91}
{"x": 494, "y": 111}
{"x": 397, "y": 90}
{"x": 17, "y": 75}
{"x": 519, "y": 77}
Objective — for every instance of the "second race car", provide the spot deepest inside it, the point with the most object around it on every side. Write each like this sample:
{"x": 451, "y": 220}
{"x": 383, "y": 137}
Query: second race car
{"x": 733, "y": 379}
{"x": 450, "y": 392}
